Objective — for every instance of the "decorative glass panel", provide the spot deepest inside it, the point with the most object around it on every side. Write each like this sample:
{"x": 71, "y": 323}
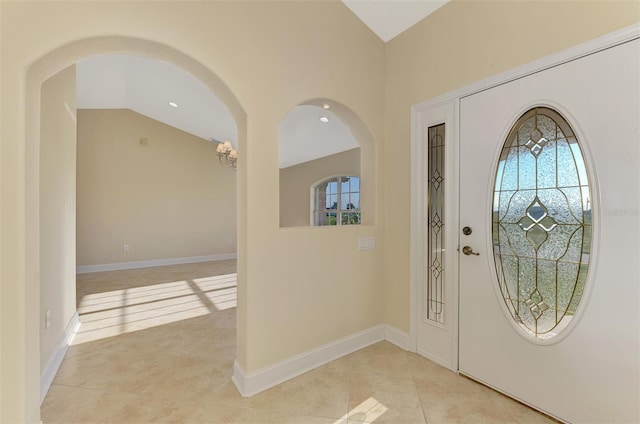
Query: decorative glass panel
{"x": 435, "y": 225}
{"x": 541, "y": 223}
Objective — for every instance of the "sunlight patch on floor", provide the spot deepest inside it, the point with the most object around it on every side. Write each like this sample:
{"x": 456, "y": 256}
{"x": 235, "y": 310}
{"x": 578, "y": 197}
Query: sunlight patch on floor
{"x": 123, "y": 311}
{"x": 367, "y": 412}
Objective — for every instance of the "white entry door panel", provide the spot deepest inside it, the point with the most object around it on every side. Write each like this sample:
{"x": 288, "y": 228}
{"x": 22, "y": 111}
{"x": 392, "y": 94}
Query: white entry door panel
{"x": 590, "y": 371}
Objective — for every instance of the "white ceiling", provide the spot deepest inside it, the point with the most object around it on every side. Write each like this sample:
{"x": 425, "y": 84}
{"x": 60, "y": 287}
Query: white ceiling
{"x": 303, "y": 137}
{"x": 388, "y": 18}
{"x": 147, "y": 86}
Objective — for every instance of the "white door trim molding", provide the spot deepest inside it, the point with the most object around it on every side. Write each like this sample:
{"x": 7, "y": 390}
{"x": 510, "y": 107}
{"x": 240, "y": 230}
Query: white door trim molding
{"x": 419, "y": 114}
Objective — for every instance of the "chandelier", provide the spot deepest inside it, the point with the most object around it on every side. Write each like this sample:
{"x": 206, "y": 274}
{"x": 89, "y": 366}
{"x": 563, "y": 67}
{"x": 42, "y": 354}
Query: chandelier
{"x": 227, "y": 155}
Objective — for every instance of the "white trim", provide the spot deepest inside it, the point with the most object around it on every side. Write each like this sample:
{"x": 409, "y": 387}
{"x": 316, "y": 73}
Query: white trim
{"x": 49, "y": 372}
{"x": 153, "y": 262}
{"x": 417, "y": 111}
{"x": 397, "y": 337}
{"x": 437, "y": 334}
{"x": 239, "y": 378}
{"x": 249, "y": 384}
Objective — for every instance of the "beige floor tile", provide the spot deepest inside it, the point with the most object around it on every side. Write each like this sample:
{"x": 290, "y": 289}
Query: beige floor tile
{"x": 153, "y": 362}
{"x": 77, "y": 405}
{"x": 382, "y": 399}
{"x": 424, "y": 369}
{"x": 382, "y": 358}
{"x": 514, "y": 412}
{"x": 213, "y": 413}
{"x": 317, "y": 393}
{"x": 339, "y": 365}
{"x": 392, "y": 392}
{"x": 403, "y": 416}
{"x": 227, "y": 394}
{"x": 457, "y": 401}
{"x": 280, "y": 418}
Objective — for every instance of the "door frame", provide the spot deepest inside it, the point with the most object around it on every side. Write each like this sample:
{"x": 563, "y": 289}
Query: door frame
{"x": 422, "y": 116}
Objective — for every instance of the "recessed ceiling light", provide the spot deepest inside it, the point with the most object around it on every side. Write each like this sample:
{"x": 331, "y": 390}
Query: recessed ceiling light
{"x": 324, "y": 119}
{"x": 173, "y": 104}
{"x": 326, "y": 106}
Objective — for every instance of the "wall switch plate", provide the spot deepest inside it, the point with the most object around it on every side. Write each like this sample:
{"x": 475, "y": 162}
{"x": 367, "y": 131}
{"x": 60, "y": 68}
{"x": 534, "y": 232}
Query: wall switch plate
{"x": 125, "y": 247}
{"x": 366, "y": 243}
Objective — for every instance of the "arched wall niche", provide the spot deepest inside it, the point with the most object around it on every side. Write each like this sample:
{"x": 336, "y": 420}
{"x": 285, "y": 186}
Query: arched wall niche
{"x": 37, "y": 73}
{"x": 366, "y": 146}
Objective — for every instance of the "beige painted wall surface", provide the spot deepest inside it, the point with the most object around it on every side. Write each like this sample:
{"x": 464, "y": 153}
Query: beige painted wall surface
{"x": 168, "y": 198}
{"x": 464, "y": 42}
{"x": 57, "y": 203}
{"x": 272, "y": 56}
{"x": 291, "y": 310}
{"x": 1, "y": 225}
{"x": 296, "y": 181}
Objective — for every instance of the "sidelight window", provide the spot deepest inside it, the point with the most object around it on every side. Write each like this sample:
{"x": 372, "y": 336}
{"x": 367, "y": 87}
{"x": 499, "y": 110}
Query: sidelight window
{"x": 435, "y": 225}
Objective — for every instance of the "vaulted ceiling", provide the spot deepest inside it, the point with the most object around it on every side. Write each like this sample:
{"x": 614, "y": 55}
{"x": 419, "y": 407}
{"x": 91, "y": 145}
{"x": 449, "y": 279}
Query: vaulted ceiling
{"x": 170, "y": 95}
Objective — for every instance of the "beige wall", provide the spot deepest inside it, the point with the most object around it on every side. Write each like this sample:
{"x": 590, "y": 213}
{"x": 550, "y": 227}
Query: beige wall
{"x": 463, "y": 42}
{"x": 272, "y": 56}
{"x": 57, "y": 203}
{"x": 296, "y": 181}
{"x": 168, "y": 198}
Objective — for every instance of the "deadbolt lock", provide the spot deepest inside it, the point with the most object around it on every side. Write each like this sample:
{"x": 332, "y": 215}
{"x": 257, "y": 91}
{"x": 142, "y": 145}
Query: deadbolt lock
{"x": 466, "y": 231}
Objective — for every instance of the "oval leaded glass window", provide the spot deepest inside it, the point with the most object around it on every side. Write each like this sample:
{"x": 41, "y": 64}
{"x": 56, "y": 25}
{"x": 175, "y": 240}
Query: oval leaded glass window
{"x": 541, "y": 223}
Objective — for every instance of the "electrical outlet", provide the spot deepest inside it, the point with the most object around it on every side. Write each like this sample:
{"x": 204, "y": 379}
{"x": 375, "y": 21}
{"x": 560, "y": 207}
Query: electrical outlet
{"x": 47, "y": 319}
{"x": 125, "y": 247}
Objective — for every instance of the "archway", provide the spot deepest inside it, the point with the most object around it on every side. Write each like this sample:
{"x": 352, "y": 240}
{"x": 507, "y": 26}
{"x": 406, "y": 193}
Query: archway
{"x": 41, "y": 70}
{"x": 348, "y": 146}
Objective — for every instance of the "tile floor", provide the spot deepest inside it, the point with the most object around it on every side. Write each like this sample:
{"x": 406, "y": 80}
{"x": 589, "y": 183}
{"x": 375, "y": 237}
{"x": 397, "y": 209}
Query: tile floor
{"x": 158, "y": 345}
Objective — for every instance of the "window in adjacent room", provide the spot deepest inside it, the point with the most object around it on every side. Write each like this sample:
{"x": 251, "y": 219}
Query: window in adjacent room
{"x": 336, "y": 201}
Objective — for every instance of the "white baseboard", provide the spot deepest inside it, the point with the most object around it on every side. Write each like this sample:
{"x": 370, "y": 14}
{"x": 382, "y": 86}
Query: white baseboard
{"x": 249, "y": 384}
{"x": 153, "y": 262}
{"x": 397, "y": 337}
{"x": 49, "y": 372}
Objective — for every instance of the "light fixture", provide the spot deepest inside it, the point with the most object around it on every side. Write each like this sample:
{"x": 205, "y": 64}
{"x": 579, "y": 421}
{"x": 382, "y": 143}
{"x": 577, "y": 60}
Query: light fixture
{"x": 173, "y": 104}
{"x": 227, "y": 155}
{"x": 324, "y": 119}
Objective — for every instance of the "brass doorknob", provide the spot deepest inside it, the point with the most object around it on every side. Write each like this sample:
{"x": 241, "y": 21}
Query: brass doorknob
{"x": 467, "y": 250}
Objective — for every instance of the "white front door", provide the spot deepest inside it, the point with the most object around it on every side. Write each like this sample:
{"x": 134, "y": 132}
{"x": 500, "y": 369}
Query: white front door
{"x": 589, "y": 371}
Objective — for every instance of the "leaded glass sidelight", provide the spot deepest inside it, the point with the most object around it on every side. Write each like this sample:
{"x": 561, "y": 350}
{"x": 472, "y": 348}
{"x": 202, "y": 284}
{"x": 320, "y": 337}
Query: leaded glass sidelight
{"x": 541, "y": 223}
{"x": 435, "y": 225}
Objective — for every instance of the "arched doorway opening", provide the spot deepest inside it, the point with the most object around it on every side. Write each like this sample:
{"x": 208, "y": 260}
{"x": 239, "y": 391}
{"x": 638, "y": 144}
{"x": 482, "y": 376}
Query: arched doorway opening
{"x": 40, "y": 71}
